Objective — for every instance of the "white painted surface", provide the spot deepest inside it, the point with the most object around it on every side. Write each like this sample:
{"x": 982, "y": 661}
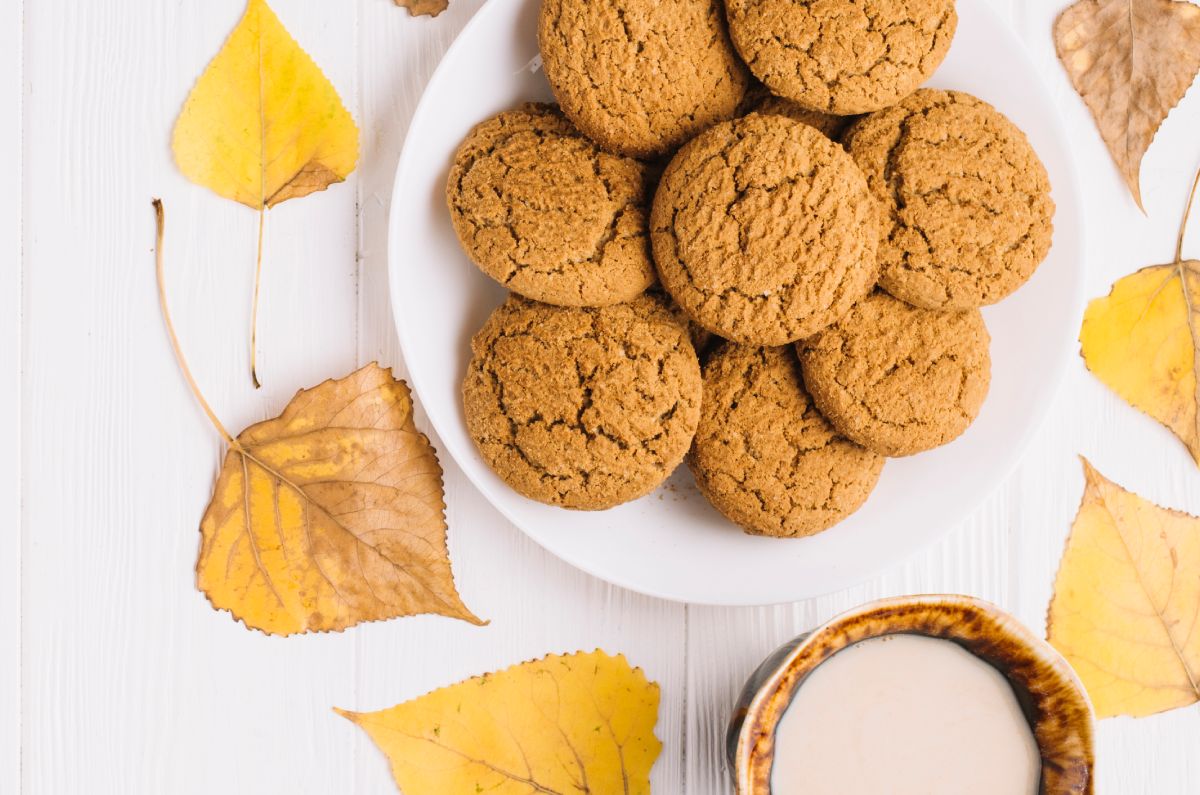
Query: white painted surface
{"x": 131, "y": 683}
{"x": 10, "y": 397}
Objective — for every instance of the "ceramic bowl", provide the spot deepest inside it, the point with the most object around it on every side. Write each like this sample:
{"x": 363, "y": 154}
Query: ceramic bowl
{"x": 1048, "y": 690}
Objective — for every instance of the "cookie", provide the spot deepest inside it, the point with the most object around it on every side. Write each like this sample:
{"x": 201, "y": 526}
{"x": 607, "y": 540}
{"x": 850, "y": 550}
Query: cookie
{"x": 832, "y": 127}
{"x": 968, "y": 210}
{"x": 842, "y": 56}
{"x": 584, "y": 408}
{"x": 763, "y": 230}
{"x": 898, "y": 379}
{"x": 640, "y": 77}
{"x": 765, "y": 457}
{"x": 543, "y": 211}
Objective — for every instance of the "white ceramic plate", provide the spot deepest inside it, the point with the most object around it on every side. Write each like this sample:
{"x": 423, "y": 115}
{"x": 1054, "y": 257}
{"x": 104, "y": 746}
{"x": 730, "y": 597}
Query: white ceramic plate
{"x": 671, "y": 544}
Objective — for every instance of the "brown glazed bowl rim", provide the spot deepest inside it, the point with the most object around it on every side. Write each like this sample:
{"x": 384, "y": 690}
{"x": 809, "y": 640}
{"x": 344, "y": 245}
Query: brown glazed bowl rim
{"x": 1049, "y": 690}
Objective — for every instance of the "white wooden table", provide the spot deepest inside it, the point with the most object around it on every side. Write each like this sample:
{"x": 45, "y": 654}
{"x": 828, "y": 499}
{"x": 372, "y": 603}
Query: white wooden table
{"x": 117, "y": 677}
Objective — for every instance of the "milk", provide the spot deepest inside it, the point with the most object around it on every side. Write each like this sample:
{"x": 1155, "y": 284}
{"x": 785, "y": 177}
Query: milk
{"x": 904, "y": 715}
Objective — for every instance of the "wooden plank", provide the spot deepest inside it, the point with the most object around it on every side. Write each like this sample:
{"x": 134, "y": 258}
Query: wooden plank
{"x": 11, "y": 93}
{"x": 537, "y": 604}
{"x": 133, "y": 683}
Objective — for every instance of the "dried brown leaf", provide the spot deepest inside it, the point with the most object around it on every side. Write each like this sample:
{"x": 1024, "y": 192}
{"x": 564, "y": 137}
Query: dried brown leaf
{"x": 424, "y": 8}
{"x": 1131, "y": 61}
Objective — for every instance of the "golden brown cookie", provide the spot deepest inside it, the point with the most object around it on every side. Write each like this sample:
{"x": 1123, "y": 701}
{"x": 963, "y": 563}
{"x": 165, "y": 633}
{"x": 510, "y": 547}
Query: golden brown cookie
{"x": 969, "y": 213}
{"x": 842, "y": 56}
{"x": 582, "y": 407}
{"x": 542, "y": 210}
{"x": 764, "y": 231}
{"x": 640, "y": 77}
{"x": 765, "y": 457}
{"x": 897, "y": 379}
{"x": 832, "y": 126}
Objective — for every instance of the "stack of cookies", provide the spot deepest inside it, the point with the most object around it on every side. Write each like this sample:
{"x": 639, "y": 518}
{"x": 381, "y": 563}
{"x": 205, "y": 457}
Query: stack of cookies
{"x": 759, "y": 185}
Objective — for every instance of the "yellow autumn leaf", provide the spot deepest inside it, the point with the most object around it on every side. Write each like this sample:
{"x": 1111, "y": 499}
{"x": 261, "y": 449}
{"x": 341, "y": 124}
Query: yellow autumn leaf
{"x": 329, "y": 515}
{"x": 263, "y": 124}
{"x": 1142, "y": 340}
{"x": 1126, "y": 605}
{"x": 574, "y": 724}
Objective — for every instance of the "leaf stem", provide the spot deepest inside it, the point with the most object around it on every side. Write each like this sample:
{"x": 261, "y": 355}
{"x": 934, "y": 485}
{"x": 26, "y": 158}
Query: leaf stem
{"x": 262, "y": 212}
{"x": 1187, "y": 211}
{"x": 159, "y": 225}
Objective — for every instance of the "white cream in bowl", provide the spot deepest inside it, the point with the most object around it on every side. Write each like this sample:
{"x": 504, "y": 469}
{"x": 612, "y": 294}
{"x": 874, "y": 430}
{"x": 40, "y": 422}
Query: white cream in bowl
{"x": 905, "y": 713}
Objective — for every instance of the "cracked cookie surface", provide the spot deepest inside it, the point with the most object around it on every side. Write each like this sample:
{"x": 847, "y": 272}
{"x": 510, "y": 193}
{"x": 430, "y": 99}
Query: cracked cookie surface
{"x": 765, "y": 457}
{"x": 764, "y": 231}
{"x": 585, "y": 408}
{"x": 640, "y": 77}
{"x": 968, "y": 213}
{"x": 898, "y": 379}
{"x": 545, "y": 212}
{"x": 842, "y": 56}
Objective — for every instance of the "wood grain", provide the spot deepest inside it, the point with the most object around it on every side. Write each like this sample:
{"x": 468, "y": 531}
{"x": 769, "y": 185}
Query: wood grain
{"x": 11, "y": 93}
{"x": 132, "y": 684}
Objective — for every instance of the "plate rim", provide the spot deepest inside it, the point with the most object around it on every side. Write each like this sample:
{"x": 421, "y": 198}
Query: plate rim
{"x": 1016, "y": 452}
